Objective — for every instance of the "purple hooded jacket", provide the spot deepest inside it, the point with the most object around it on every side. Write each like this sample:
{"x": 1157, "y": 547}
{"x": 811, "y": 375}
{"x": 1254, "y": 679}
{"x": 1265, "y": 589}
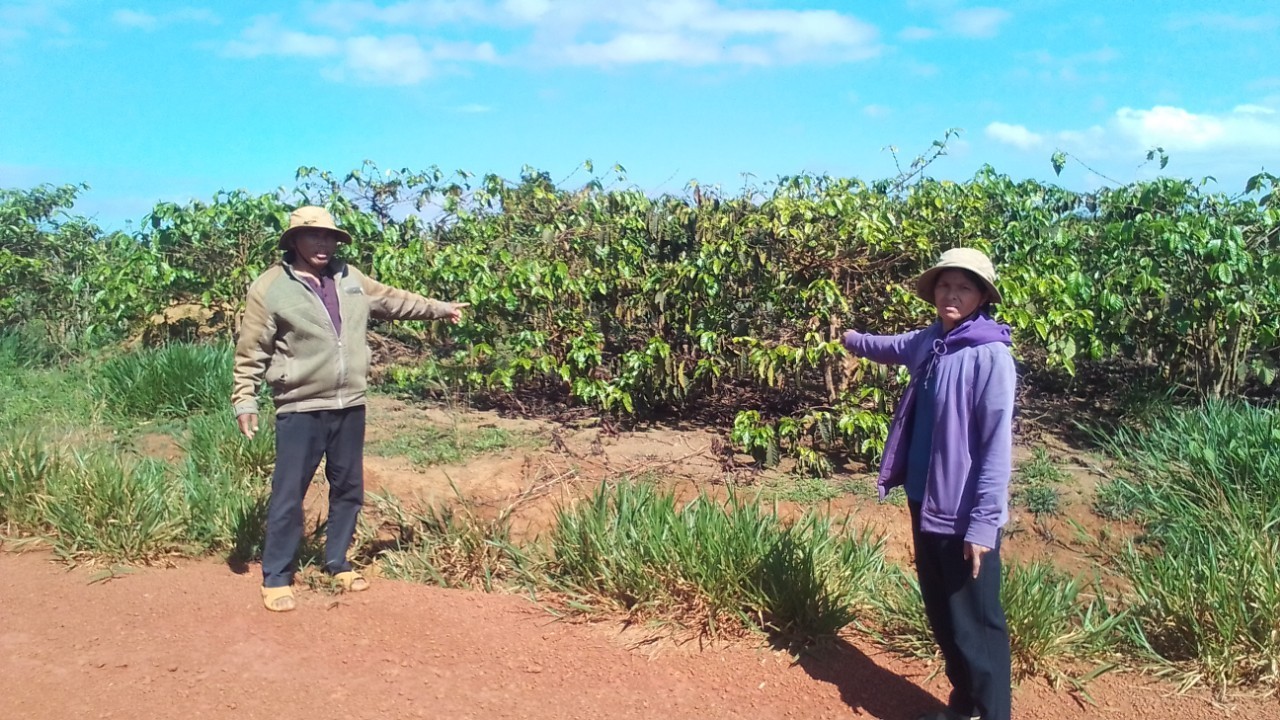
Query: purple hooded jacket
{"x": 967, "y": 491}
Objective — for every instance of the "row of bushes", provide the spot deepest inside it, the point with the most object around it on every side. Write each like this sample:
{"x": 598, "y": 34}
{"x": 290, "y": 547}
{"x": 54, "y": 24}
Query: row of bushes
{"x": 642, "y": 306}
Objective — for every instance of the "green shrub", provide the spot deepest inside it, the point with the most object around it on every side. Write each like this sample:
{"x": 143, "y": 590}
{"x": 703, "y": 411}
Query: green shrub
{"x": 1035, "y": 484}
{"x": 1054, "y": 619}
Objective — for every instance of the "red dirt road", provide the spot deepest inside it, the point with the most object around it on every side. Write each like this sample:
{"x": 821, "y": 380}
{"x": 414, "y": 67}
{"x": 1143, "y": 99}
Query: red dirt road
{"x": 193, "y": 642}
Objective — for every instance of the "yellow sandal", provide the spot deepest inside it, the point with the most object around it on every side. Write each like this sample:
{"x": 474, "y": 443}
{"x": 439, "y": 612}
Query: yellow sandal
{"x": 351, "y": 581}
{"x": 278, "y": 599}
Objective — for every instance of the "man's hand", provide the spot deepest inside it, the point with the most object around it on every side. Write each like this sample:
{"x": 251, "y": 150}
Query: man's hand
{"x": 973, "y": 553}
{"x": 455, "y": 312}
{"x": 248, "y": 424}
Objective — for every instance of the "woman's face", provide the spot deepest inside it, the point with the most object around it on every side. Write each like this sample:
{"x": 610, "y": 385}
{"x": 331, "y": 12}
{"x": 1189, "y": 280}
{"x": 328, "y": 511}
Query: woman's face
{"x": 316, "y": 248}
{"x": 957, "y": 295}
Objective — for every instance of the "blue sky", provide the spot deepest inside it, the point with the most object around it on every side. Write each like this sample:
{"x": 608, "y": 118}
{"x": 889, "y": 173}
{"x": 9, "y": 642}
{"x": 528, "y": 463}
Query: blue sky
{"x": 150, "y": 101}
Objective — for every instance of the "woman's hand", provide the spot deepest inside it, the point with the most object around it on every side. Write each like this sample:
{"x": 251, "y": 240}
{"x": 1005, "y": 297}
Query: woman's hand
{"x": 973, "y": 553}
{"x": 455, "y": 312}
{"x": 847, "y": 339}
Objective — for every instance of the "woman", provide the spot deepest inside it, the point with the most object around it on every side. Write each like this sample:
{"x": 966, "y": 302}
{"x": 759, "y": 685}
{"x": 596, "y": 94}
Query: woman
{"x": 305, "y": 333}
{"x": 950, "y": 445}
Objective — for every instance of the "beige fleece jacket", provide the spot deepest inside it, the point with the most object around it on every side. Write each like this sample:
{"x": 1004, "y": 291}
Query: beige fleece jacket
{"x": 287, "y": 339}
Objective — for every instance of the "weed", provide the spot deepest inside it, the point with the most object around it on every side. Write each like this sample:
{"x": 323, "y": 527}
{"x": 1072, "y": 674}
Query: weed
{"x": 174, "y": 381}
{"x": 432, "y": 446}
{"x": 1205, "y": 484}
{"x": 718, "y": 567}
{"x": 449, "y": 546}
{"x": 1035, "y": 484}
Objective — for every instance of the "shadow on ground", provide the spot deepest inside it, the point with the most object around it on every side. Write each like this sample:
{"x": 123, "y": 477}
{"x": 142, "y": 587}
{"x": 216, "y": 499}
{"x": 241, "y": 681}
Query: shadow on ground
{"x": 865, "y": 686}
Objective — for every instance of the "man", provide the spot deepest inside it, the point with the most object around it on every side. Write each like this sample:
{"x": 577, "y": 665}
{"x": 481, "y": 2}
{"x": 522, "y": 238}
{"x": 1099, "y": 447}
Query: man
{"x": 304, "y": 333}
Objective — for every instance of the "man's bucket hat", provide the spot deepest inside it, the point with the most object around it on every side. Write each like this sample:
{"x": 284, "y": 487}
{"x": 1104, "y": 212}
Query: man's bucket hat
{"x": 310, "y": 217}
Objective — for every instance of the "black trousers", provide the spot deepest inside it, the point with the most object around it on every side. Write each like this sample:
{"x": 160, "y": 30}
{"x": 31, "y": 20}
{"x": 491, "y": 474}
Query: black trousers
{"x": 968, "y": 622}
{"x": 302, "y": 439}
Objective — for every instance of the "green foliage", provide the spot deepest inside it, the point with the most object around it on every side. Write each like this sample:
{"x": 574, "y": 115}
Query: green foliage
{"x": 102, "y": 505}
{"x": 1205, "y": 484}
{"x": 24, "y": 347}
{"x": 63, "y": 276}
{"x": 98, "y": 502}
{"x": 717, "y": 567}
{"x": 25, "y": 469}
{"x": 225, "y": 484}
{"x": 1055, "y": 620}
{"x": 434, "y": 446}
{"x": 173, "y": 381}
{"x": 1035, "y": 484}
{"x": 642, "y": 306}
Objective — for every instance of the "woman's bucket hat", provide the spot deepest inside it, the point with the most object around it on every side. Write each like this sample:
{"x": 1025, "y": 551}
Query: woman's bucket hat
{"x": 975, "y": 261}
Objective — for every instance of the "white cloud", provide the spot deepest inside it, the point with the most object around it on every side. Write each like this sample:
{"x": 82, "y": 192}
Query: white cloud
{"x": 140, "y": 20}
{"x": 19, "y": 19}
{"x": 917, "y": 33}
{"x": 1225, "y": 22}
{"x": 699, "y": 32}
{"x": 977, "y": 23}
{"x": 606, "y": 33}
{"x": 1079, "y": 67}
{"x": 641, "y": 48}
{"x": 1016, "y": 135}
{"x": 1232, "y": 144}
{"x": 473, "y": 109}
{"x": 980, "y": 22}
{"x": 527, "y": 10}
{"x": 382, "y": 60}
{"x": 266, "y": 37}
{"x": 1176, "y": 129}
{"x": 876, "y": 111}
{"x": 135, "y": 19}
{"x": 464, "y": 52}
{"x": 394, "y": 60}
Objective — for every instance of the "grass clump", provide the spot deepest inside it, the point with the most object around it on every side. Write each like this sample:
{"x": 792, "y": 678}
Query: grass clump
{"x": 25, "y": 468}
{"x": 434, "y": 446}
{"x": 1205, "y": 485}
{"x": 226, "y": 482}
{"x": 101, "y": 503}
{"x": 713, "y": 566}
{"x": 173, "y": 381}
{"x": 1036, "y": 484}
{"x": 450, "y": 546}
{"x": 105, "y": 506}
{"x": 1054, "y": 620}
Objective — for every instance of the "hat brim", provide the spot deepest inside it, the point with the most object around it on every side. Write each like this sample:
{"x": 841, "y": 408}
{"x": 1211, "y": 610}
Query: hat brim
{"x": 283, "y": 242}
{"x": 929, "y": 278}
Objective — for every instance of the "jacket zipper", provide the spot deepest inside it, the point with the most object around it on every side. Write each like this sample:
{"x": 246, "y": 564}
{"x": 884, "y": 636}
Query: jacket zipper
{"x": 342, "y": 360}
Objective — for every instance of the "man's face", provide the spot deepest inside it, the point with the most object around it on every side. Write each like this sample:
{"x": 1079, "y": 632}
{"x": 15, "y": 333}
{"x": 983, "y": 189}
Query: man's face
{"x": 316, "y": 248}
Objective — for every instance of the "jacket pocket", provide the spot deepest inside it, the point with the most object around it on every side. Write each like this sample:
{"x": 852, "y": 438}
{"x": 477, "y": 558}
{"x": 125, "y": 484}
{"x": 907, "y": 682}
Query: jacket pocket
{"x": 278, "y": 374}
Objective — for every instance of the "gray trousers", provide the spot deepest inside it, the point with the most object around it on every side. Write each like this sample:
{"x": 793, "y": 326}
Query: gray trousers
{"x": 302, "y": 439}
